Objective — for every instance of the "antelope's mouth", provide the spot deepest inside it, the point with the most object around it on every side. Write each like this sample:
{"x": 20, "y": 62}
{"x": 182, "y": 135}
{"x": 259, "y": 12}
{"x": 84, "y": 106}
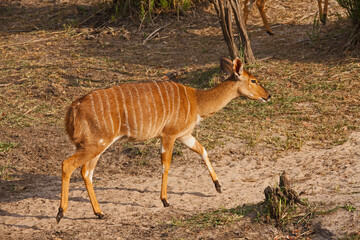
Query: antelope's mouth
{"x": 265, "y": 99}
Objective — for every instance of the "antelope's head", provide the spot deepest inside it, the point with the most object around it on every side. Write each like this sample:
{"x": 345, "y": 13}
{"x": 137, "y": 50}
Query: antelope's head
{"x": 247, "y": 84}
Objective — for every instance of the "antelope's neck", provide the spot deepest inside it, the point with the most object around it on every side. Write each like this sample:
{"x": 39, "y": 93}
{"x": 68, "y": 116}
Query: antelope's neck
{"x": 212, "y": 100}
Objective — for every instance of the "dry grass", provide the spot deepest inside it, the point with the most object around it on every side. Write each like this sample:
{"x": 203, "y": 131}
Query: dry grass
{"x": 48, "y": 61}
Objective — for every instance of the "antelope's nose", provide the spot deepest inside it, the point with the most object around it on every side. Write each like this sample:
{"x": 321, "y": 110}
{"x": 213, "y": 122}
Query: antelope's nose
{"x": 267, "y": 99}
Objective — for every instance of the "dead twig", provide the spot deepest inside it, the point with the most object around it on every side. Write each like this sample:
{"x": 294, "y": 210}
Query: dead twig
{"x": 28, "y": 42}
{"x": 152, "y": 35}
{"x": 30, "y": 110}
{"x": 5, "y": 84}
{"x": 16, "y": 82}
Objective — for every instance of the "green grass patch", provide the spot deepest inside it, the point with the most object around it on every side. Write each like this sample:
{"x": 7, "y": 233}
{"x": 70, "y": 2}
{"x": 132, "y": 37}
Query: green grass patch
{"x": 6, "y": 146}
{"x": 4, "y": 171}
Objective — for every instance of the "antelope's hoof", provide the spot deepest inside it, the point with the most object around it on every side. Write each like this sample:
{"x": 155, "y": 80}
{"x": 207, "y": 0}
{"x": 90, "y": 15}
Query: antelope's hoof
{"x": 217, "y": 186}
{"x": 270, "y": 33}
{"x": 165, "y": 202}
{"x": 100, "y": 215}
{"x": 60, "y": 215}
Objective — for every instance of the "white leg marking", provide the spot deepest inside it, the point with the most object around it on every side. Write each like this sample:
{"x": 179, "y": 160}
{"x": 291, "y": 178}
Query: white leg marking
{"x": 91, "y": 175}
{"x": 205, "y": 154}
{"x": 163, "y": 170}
{"x": 109, "y": 111}
{"x": 162, "y": 149}
{"x": 87, "y": 173}
{"x": 207, "y": 162}
{"x": 125, "y": 110}
{"x": 188, "y": 140}
{"x": 198, "y": 119}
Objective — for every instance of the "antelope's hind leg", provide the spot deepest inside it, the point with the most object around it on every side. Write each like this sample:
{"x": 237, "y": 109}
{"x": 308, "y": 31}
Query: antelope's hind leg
{"x": 87, "y": 172}
{"x": 80, "y": 158}
{"x": 194, "y": 145}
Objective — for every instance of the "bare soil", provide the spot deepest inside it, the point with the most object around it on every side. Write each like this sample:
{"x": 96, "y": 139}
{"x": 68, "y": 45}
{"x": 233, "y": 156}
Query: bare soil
{"x": 64, "y": 64}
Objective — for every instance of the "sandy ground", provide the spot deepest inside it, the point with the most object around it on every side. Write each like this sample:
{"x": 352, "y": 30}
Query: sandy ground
{"x": 132, "y": 206}
{"x": 129, "y": 191}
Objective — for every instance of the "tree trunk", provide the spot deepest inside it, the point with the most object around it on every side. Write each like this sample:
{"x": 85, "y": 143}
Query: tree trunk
{"x": 224, "y": 10}
{"x": 244, "y": 38}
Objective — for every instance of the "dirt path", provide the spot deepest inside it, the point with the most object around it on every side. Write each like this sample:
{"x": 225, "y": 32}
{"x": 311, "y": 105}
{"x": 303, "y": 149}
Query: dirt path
{"x": 42, "y": 77}
{"x": 133, "y": 208}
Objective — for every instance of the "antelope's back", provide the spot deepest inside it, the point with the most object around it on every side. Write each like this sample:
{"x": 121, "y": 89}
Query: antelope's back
{"x": 138, "y": 111}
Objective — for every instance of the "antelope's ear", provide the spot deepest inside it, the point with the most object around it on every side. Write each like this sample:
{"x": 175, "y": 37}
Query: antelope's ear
{"x": 226, "y": 65}
{"x": 238, "y": 66}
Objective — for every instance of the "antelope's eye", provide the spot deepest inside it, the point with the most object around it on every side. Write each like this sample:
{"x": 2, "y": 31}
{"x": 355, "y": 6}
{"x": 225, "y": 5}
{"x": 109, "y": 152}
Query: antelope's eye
{"x": 253, "y": 81}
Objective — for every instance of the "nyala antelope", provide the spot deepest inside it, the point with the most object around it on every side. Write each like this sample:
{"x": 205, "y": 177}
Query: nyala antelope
{"x": 261, "y": 6}
{"x": 141, "y": 111}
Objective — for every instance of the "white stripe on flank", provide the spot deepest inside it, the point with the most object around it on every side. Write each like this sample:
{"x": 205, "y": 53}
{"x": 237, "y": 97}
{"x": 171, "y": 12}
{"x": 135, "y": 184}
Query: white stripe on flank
{"x": 168, "y": 102}
{"x": 125, "y": 111}
{"x": 102, "y": 111}
{"x": 109, "y": 111}
{"x": 117, "y": 107}
{"x": 163, "y": 105}
{"x": 141, "y": 121}
{"x": 133, "y": 111}
{"x": 147, "y": 125}
{"x": 173, "y": 100}
{"x": 93, "y": 108}
{"x": 178, "y": 102}
{"x": 188, "y": 109}
{"x": 155, "y": 110}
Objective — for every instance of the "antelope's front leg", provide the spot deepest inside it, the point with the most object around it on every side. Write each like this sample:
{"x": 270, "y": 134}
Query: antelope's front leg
{"x": 195, "y": 146}
{"x": 167, "y": 144}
